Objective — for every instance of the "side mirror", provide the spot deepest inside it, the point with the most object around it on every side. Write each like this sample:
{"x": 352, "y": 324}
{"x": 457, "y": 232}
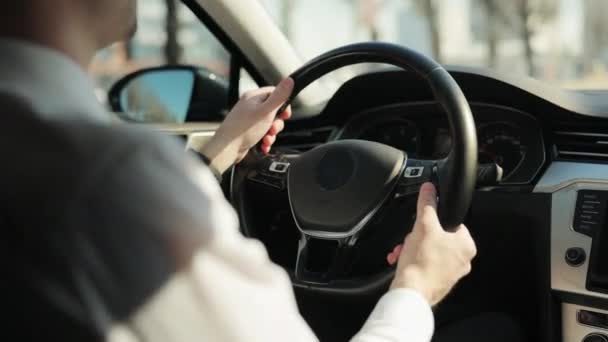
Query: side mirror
{"x": 170, "y": 94}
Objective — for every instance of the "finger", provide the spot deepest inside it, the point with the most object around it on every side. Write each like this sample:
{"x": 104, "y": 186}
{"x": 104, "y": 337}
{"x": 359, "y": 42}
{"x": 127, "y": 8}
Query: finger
{"x": 280, "y": 95}
{"x": 397, "y": 249}
{"x": 427, "y": 218}
{"x": 277, "y": 127}
{"x": 268, "y": 140}
{"x": 393, "y": 256}
{"x": 391, "y": 259}
{"x": 261, "y": 93}
{"x": 265, "y": 149}
{"x": 427, "y": 198}
{"x": 286, "y": 115}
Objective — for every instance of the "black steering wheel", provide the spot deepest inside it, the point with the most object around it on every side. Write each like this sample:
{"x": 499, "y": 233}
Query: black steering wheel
{"x": 336, "y": 189}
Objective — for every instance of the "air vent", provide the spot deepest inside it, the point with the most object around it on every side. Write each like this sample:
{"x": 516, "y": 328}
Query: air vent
{"x": 304, "y": 140}
{"x": 583, "y": 140}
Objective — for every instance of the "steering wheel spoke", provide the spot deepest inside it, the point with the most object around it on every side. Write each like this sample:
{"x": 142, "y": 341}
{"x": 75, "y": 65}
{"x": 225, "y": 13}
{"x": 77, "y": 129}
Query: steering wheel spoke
{"x": 271, "y": 171}
{"x": 416, "y": 173}
{"x": 334, "y": 267}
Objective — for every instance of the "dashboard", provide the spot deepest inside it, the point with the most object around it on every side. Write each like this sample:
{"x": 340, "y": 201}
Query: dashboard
{"x": 543, "y": 232}
{"x": 508, "y": 137}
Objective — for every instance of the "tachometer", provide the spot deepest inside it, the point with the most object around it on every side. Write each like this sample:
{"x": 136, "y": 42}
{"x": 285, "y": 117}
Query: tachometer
{"x": 399, "y": 134}
{"x": 501, "y": 143}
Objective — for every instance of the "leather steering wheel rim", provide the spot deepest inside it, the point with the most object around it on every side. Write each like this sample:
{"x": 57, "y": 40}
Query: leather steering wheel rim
{"x": 458, "y": 175}
{"x": 455, "y": 175}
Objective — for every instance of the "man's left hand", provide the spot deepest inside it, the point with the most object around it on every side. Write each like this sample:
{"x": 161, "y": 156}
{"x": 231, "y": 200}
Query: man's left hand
{"x": 251, "y": 120}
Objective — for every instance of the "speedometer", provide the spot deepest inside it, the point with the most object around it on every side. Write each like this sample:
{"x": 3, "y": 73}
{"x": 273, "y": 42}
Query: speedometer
{"x": 501, "y": 143}
{"x": 400, "y": 134}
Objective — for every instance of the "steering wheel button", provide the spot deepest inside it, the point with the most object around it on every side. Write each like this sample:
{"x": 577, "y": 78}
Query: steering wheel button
{"x": 414, "y": 172}
{"x": 279, "y": 167}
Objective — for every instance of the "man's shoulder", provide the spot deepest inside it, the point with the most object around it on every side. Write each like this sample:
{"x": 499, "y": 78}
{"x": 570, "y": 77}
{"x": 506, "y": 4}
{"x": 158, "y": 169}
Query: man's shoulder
{"x": 72, "y": 141}
{"x": 52, "y": 157}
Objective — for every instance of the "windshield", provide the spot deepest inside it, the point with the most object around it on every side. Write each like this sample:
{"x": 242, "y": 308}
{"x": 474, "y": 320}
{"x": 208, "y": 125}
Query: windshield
{"x": 563, "y": 42}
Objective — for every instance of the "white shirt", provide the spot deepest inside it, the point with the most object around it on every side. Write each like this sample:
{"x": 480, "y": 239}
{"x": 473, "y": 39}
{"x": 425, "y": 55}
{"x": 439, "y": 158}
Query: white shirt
{"x": 163, "y": 258}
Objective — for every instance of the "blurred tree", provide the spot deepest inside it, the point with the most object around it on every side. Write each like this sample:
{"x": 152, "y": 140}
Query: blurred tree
{"x": 531, "y": 15}
{"x": 430, "y": 10}
{"x": 496, "y": 19}
{"x": 287, "y": 10}
{"x": 595, "y": 30}
{"x": 173, "y": 50}
{"x": 368, "y": 16}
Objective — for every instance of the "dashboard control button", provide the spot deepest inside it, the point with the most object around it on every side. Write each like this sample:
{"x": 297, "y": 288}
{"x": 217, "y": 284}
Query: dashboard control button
{"x": 279, "y": 167}
{"x": 589, "y": 213}
{"x": 268, "y": 180}
{"x": 592, "y": 319}
{"x": 414, "y": 172}
{"x": 404, "y": 190}
{"x": 595, "y": 338}
{"x": 575, "y": 256}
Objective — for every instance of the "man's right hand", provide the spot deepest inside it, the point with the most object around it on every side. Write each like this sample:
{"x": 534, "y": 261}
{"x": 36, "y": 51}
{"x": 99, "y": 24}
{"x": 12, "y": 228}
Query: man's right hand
{"x": 431, "y": 260}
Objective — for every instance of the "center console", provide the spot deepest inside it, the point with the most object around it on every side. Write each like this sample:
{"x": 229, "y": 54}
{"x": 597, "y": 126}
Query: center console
{"x": 579, "y": 247}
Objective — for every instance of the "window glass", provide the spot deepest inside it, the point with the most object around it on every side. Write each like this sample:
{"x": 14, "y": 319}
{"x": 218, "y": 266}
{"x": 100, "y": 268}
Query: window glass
{"x": 562, "y": 42}
{"x": 188, "y": 41}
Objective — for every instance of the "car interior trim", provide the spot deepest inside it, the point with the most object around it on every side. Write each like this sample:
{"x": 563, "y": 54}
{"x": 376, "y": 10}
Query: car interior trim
{"x": 572, "y": 329}
{"x": 563, "y": 180}
{"x": 250, "y": 27}
{"x": 560, "y": 175}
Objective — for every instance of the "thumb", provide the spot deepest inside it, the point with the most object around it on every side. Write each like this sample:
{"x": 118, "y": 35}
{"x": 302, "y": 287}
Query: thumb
{"x": 427, "y": 197}
{"x": 427, "y": 205}
{"x": 279, "y": 96}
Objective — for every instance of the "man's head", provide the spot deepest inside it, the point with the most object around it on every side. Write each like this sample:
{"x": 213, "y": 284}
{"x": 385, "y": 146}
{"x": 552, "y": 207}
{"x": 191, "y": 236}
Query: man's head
{"x": 113, "y": 20}
{"x": 75, "y": 27}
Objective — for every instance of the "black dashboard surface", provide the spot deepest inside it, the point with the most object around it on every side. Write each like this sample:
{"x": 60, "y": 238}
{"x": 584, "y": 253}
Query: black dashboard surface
{"x": 544, "y": 123}
{"x": 521, "y": 122}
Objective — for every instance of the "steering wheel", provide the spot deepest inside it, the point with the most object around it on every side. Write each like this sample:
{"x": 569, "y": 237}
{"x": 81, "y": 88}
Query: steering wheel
{"x": 336, "y": 189}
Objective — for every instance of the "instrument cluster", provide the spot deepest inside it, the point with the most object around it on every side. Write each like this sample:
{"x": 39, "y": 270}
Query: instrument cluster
{"x": 506, "y": 136}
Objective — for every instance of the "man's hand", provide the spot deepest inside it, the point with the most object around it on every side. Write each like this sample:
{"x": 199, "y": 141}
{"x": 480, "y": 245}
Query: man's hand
{"x": 251, "y": 120}
{"x": 431, "y": 260}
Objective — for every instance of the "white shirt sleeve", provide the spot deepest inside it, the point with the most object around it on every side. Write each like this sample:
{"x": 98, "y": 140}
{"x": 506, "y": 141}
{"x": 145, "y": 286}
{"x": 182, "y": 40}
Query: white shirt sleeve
{"x": 225, "y": 288}
{"x": 253, "y": 300}
{"x": 400, "y": 315}
{"x": 243, "y": 296}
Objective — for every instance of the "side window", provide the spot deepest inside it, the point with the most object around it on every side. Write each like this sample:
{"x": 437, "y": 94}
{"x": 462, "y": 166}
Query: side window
{"x": 179, "y": 70}
{"x": 246, "y": 82}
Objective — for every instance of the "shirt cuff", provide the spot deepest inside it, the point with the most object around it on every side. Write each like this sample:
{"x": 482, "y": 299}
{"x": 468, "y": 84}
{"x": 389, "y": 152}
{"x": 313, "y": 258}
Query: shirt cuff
{"x": 207, "y": 162}
{"x": 400, "y": 315}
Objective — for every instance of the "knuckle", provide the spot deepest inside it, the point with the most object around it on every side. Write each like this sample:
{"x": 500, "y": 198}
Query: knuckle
{"x": 467, "y": 269}
{"x": 424, "y": 220}
{"x": 473, "y": 250}
{"x": 428, "y": 224}
{"x": 427, "y": 210}
{"x": 428, "y": 214}
{"x": 247, "y": 95}
{"x": 407, "y": 239}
